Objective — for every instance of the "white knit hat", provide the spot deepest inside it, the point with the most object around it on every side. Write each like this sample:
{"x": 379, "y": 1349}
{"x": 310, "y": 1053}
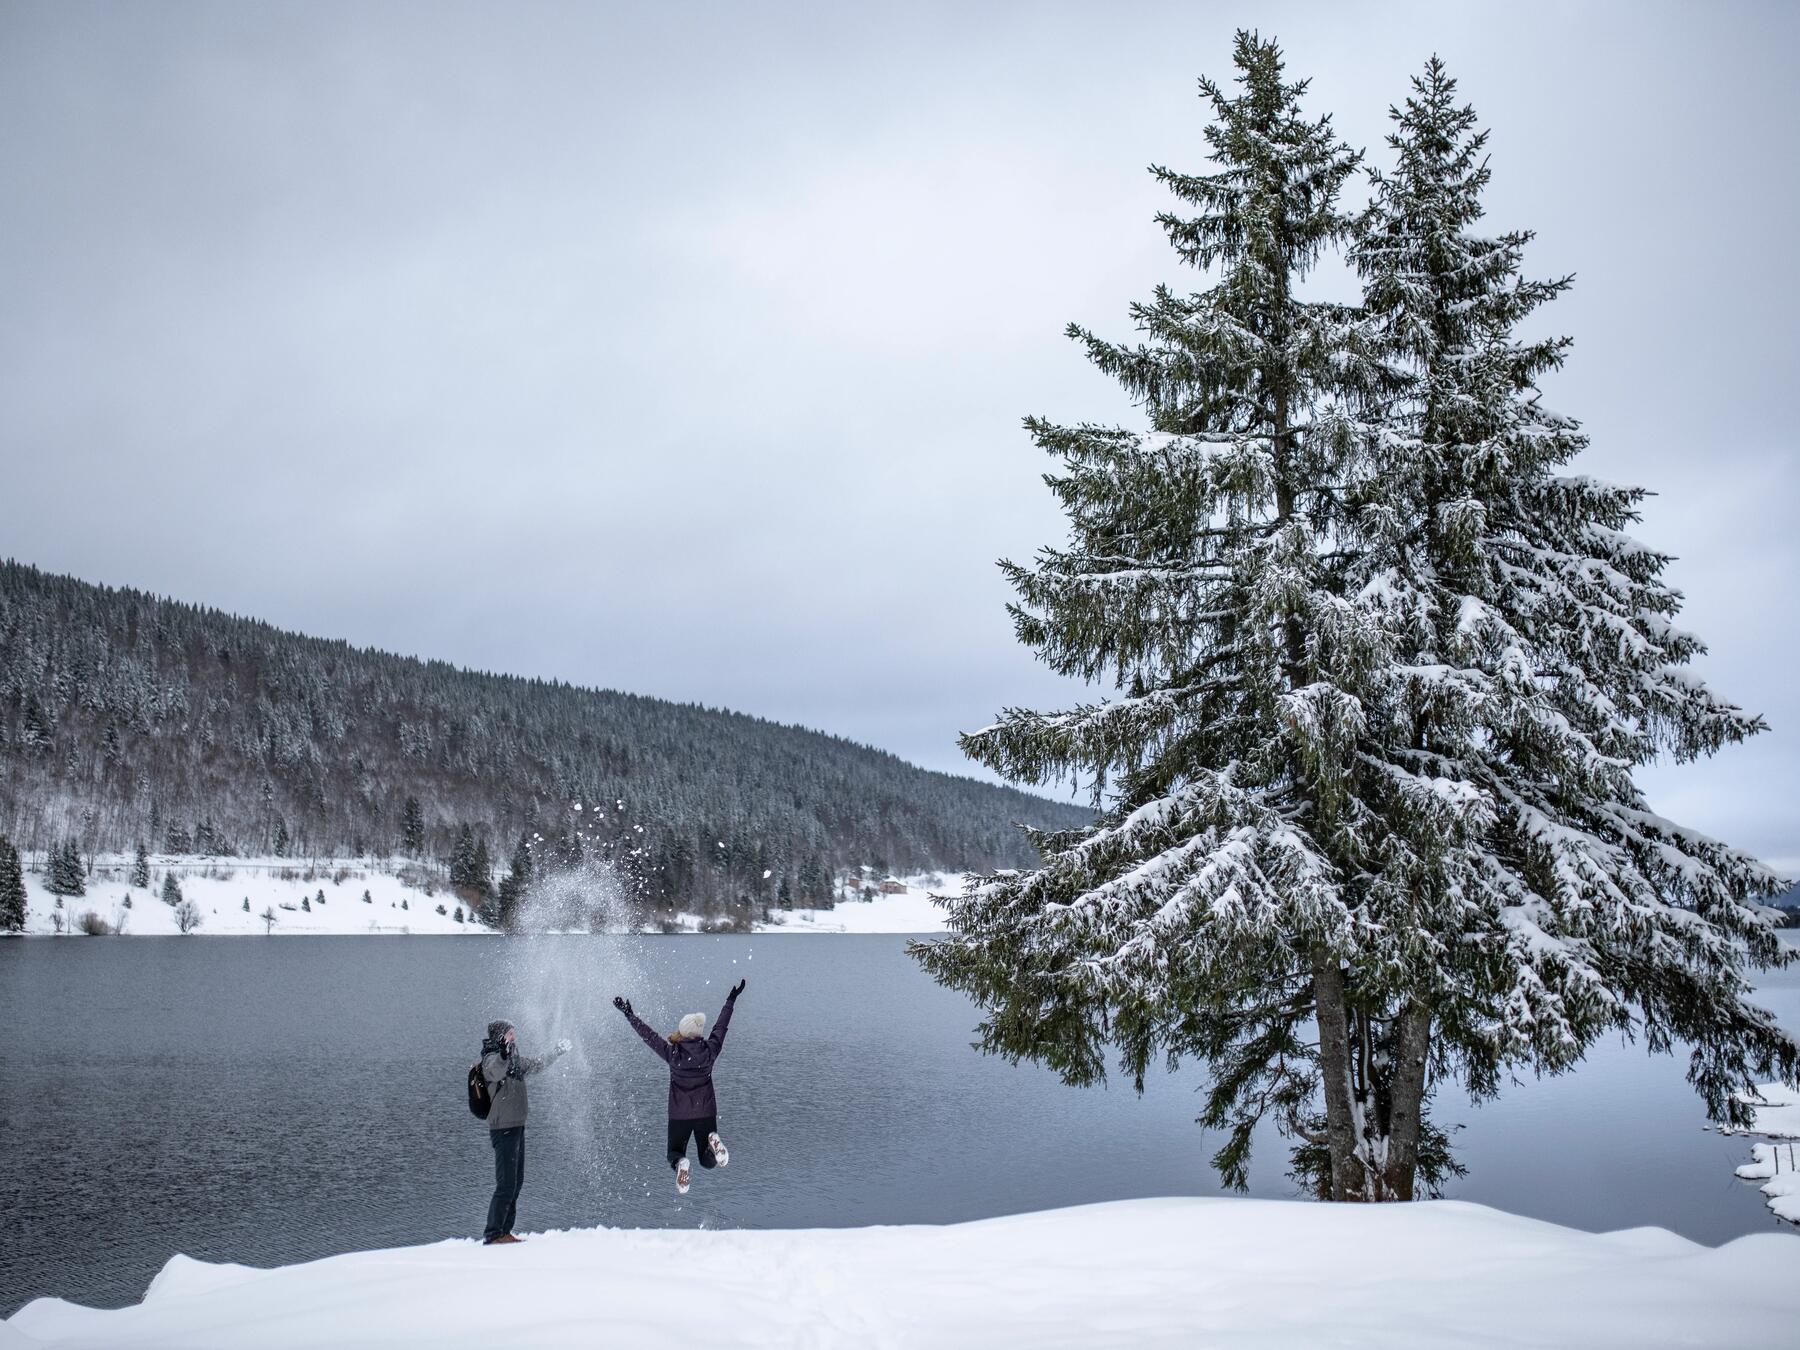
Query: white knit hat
{"x": 692, "y": 1026}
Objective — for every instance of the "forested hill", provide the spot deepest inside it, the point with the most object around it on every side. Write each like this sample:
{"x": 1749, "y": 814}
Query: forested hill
{"x": 125, "y": 718}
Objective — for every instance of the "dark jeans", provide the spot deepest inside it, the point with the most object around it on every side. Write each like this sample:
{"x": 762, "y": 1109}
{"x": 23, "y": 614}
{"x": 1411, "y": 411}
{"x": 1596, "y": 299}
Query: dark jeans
{"x": 680, "y": 1131}
{"x": 509, "y": 1175}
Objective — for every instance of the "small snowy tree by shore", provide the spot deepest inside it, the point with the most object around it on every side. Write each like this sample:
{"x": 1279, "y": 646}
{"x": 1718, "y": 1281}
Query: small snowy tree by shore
{"x": 12, "y": 889}
{"x": 1369, "y": 823}
{"x": 63, "y": 872}
{"x": 187, "y": 916}
{"x": 171, "y": 889}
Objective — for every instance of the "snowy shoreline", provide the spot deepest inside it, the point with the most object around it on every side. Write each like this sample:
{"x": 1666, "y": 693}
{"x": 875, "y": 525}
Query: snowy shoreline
{"x": 1776, "y": 1117}
{"x": 402, "y": 902}
{"x": 1145, "y": 1273}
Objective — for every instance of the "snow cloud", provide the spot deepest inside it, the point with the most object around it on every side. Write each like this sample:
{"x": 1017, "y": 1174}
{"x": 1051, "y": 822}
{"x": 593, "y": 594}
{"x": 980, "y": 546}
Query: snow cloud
{"x": 683, "y": 349}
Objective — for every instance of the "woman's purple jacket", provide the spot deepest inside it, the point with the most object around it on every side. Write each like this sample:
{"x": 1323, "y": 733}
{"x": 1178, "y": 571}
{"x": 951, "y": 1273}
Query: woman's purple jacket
{"x": 690, "y": 1066}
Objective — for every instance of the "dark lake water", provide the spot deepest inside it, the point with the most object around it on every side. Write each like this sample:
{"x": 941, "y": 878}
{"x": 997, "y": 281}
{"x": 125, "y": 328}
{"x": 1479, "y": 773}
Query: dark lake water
{"x": 268, "y": 1101}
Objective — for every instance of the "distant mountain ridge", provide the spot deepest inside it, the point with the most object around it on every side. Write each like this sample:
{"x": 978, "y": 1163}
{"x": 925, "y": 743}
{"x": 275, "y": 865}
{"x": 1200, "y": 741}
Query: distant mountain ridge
{"x": 128, "y": 718}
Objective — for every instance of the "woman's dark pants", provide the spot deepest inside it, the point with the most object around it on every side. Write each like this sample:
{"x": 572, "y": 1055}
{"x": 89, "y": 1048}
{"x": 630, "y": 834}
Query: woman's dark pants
{"x": 680, "y": 1131}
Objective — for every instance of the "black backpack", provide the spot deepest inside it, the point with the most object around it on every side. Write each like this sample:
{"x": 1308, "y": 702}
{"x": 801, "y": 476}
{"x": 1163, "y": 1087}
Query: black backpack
{"x": 479, "y": 1101}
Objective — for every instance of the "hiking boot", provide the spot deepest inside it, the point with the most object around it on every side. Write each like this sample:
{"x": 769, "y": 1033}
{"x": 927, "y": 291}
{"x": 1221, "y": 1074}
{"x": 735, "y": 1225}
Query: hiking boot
{"x": 497, "y": 1241}
{"x": 721, "y": 1154}
{"x": 681, "y": 1176}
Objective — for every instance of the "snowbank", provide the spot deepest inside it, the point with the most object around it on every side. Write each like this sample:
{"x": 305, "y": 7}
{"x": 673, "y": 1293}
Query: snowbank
{"x": 909, "y": 912}
{"x": 218, "y": 888}
{"x": 1139, "y": 1273}
{"x": 1776, "y": 1113}
{"x": 1777, "y": 1166}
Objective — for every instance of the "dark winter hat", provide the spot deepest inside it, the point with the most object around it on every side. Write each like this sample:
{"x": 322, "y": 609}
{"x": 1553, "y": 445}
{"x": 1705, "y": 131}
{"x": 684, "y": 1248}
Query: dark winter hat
{"x": 497, "y": 1030}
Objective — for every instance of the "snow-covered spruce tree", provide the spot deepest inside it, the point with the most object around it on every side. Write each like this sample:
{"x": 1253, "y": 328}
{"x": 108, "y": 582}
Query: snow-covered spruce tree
{"x": 412, "y": 828}
{"x": 1315, "y": 870}
{"x": 513, "y": 886}
{"x": 140, "y": 868}
{"x": 12, "y": 889}
{"x": 63, "y": 871}
{"x": 171, "y": 890}
{"x": 462, "y": 858}
{"x": 1532, "y": 664}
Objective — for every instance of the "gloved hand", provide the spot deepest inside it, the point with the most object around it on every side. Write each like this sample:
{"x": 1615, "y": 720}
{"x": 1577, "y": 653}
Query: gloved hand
{"x": 564, "y": 1046}
{"x": 622, "y": 1004}
{"x": 737, "y": 989}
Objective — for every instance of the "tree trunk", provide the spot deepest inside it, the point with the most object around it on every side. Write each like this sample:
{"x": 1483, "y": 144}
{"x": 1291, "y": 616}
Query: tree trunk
{"x": 1406, "y": 1114}
{"x": 1347, "y": 1180}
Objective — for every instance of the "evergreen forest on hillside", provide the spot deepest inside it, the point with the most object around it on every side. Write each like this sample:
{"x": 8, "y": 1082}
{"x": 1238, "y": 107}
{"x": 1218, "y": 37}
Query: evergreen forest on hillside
{"x": 127, "y": 719}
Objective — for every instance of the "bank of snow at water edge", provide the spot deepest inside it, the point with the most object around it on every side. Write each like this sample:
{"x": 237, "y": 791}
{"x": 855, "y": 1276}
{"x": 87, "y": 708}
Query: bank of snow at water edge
{"x": 218, "y": 888}
{"x": 1138, "y": 1273}
{"x": 1777, "y": 1165}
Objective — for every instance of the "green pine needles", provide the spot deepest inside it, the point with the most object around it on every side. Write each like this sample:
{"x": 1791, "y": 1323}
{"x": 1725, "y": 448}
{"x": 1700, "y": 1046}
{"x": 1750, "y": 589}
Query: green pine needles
{"x": 1385, "y": 669}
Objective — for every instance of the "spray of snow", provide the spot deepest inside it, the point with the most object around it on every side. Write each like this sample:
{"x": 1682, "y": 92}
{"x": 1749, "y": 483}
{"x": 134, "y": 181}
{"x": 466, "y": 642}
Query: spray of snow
{"x": 561, "y": 980}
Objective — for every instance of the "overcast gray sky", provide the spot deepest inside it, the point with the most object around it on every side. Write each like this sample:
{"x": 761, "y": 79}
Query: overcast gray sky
{"x": 682, "y": 348}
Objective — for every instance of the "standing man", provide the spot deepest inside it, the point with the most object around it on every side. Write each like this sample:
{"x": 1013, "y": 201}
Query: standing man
{"x": 504, "y": 1068}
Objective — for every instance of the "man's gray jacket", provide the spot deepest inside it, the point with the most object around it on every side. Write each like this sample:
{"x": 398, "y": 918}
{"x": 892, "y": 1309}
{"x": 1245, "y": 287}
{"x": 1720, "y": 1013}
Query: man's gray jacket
{"x": 505, "y": 1075}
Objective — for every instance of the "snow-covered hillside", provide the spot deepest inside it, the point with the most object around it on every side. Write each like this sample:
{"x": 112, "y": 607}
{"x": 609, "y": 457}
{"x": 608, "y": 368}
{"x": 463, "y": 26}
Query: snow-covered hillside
{"x": 399, "y": 901}
{"x": 219, "y": 888}
{"x": 1139, "y": 1273}
{"x": 910, "y": 911}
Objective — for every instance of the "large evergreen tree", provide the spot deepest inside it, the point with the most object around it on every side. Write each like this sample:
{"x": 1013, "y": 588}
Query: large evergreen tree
{"x": 140, "y": 867}
{"x": 1530, "y": 664}
{"x": 1368, "y": 811}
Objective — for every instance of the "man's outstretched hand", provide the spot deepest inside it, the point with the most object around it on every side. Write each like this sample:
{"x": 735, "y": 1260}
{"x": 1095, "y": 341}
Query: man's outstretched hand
{"x": 738, "y": 988}
{"x": 622, "y": 1004}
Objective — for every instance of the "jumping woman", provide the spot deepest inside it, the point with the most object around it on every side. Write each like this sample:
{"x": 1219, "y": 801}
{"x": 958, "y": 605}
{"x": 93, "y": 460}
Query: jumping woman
{"x": 693, "y": 1110}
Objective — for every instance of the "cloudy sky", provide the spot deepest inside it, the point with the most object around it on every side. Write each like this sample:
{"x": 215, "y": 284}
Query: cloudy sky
{"x": 682, "y": 348}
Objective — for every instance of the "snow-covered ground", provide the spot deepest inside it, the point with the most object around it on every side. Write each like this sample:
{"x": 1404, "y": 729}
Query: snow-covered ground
{"x": 909, "y": 912}
{"x": 218, "y": 888}
{"x": 1139, "y": 1273}
{"x": 1776, "y": 1112}
{"x": 398, "y": 903}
